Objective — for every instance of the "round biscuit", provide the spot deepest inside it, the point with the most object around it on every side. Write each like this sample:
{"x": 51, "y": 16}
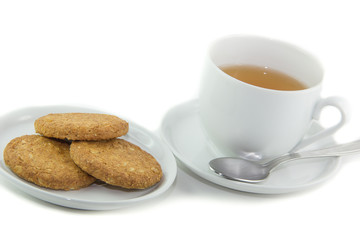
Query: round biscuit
{"x": 81, "y": 126}
{"x": 117, "y": 162}
{"x": 45, "y": 162}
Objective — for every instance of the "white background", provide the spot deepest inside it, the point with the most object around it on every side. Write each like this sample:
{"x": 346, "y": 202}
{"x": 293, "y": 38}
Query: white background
{"x": 141, "y": 58}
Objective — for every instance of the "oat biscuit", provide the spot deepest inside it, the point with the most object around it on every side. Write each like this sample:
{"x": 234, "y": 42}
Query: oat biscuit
{"x": 45, "y": 162}
{"x": 117, "y": 162}
{"x": 81, "y": 126}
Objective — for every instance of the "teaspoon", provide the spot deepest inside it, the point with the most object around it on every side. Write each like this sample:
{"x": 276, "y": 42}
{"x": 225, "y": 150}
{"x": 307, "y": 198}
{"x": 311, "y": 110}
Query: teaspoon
{"x": 244, "y": 170}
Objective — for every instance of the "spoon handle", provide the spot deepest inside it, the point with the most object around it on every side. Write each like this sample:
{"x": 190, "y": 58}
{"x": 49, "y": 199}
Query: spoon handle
{"x": 334, "y": 151}
{"x": 337, "y": 150}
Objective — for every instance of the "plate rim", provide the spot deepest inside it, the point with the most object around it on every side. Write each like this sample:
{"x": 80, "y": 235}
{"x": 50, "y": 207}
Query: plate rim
{"x": 48, "y": 195}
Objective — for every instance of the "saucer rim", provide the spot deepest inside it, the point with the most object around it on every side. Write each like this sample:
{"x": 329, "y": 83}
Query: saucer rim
{"x": 191, "y": 107}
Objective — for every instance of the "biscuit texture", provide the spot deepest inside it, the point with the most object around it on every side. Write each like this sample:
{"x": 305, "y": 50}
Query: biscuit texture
{"x": 81, "y": 126}
{"x": 117, "y": 162}
{"x": 45, "y": 162}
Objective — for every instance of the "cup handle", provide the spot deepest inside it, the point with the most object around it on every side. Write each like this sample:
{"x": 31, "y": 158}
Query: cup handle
{"x": 337, "y": 102}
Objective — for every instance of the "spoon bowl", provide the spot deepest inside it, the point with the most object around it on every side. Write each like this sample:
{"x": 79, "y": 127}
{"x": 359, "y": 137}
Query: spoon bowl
{"x": 239, "y": 169}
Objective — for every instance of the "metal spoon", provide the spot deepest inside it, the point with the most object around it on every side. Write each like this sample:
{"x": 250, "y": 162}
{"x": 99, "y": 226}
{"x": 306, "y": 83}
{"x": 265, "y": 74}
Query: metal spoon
{"x": 252, "y": 172}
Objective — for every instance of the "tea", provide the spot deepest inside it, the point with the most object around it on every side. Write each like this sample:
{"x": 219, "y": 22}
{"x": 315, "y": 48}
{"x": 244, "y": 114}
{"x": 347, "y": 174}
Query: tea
{"x": 263, "y": 77}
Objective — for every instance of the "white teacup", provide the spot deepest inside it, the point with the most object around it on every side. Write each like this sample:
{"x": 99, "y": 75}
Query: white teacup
{"x": 244, "y": 120}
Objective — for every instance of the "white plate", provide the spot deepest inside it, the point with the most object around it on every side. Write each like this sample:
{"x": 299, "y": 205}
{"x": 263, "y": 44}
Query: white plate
{"x": 96, "y": 196}
{"x": 181, "y": 129}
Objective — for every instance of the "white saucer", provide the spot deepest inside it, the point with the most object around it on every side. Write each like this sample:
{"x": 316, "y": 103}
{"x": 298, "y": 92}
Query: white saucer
{"x": 96, "y": 196}
{"x": 182, "y": 131}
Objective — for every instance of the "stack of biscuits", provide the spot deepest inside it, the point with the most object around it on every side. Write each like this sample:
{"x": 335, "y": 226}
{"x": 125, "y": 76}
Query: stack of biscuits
{"x": 75, "y": 149}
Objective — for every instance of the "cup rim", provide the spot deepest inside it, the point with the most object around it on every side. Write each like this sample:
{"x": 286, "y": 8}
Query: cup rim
{"x": 279, "y": 41}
